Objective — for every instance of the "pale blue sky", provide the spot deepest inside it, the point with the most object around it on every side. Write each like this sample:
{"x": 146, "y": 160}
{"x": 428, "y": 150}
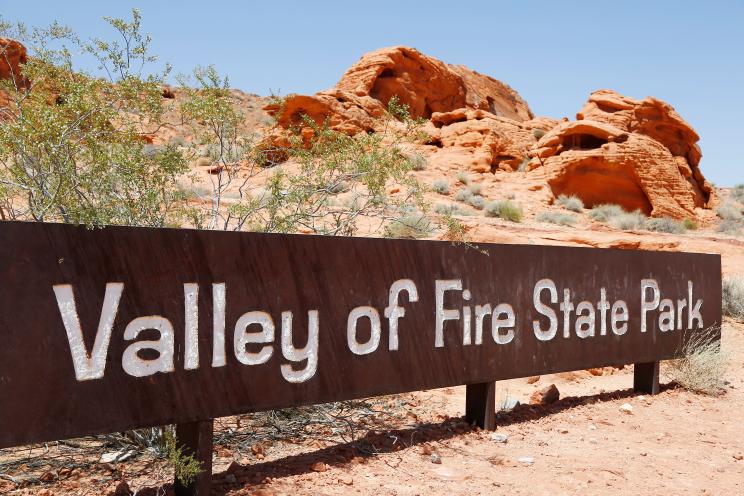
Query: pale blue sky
{"x": 689, "y": 53}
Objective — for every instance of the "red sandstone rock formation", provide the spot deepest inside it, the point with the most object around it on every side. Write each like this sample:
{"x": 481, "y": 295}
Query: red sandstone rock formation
{"x": 425, "y": 84}
{"x": 639, "y": 154}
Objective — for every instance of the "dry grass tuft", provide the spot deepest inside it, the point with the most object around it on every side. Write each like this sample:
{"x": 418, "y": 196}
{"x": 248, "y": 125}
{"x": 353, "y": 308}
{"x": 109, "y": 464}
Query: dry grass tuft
{"x": 703, "y": 364}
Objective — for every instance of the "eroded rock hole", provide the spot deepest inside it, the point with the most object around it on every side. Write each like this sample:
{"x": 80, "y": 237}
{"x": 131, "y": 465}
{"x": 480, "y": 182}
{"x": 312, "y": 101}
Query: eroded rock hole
{"x": 582, "y": 142}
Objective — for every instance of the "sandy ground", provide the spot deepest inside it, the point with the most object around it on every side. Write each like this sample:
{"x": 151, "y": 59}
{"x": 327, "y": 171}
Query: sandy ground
{"x": 674, "y": 443}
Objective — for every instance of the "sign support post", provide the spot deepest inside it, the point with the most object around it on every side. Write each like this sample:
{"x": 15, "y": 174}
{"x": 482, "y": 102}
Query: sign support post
{"x": 480, "y": 405}
{"x": 646, "y": 377}
{"x": 195, "y": 439}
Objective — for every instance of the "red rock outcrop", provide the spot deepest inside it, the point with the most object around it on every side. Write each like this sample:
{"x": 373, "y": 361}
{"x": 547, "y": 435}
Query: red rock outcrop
{"x": 12, "y": 56}
{"x": 424, "y": 83}
{"x": 639, "y": 154}
{"x": 601, "y": 163}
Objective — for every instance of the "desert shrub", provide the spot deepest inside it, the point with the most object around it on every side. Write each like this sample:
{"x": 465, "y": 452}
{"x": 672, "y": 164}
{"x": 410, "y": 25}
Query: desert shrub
{"x": 737, "y": 193}
{"x": 538, "y": 133}
{"x": 558, "y": 218}
{"x": 572, "y": 203}
{"x": 733, "y": 297}
{"x": 203, "y": 162}
{"x": 463, "y": 195}
{"x": 477, "y": 201}
{"x": 523, "y": 164}
{"x": 605, "y": 212}
{"x": 185, "y": 467}
{"x": 177, "y": 141}
{"x": 463, "y": 178}
{"x": 732, "y": 227}
{"x": 441, "y": 186}
{"x": 411, "y": 226}
{"x": 418, "y": 162}
{"x": 504, "y": 209}
{"x": 689, "y": 224}
{"x": 628, "y": 221}
{"x": 729, "y": 211}
{"x": 666, "y": 225}
{"x": 475, "y": 188}
{"x": 82, "y": 159}
{"x": 446, "y": 209}
{"x": 702, "y": 365}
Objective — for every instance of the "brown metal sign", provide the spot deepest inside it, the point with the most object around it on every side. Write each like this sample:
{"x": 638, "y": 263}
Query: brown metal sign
{"x": 110, "y": 329}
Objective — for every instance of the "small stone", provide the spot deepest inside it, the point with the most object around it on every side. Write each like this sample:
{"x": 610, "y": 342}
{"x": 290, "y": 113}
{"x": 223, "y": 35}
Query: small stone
{"x": 545, "y": 396}
{"x": 592, "y": 427}
{"x": 319, "y": 467}
{"x": 526, "y": 460}
{"x": 563, "y": 430}
{"x": 497, "y": 437}
{"x": 533, "y": 379}
{"x": 346, "y": 480}
{"x": 627, "y": 408}
{"x": 643, "y": 453}
{"x": 738, "y": 456}
{"x": 593, "y": 440}
{"x": 426, "y": 450}
{"x": 435, "y": 458}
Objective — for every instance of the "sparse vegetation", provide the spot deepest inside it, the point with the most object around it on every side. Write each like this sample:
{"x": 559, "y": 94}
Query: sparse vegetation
{"x": 558, "y": 218}
{"x": 412, "y": 226}
{"x": 628, "y": 221}
{"x": 605, "y": 212}
{"x": 730, "y": 211}
{"x": 463, "y": 178}
{"x": 463, "y": 195}
{"x": 732, "y": 227}
{"x": 572, "y": 203}
{"x": 185, "y": 467}
{"x": 689, "y": 224}
{"x": 702, "y": 365}
{"x": 538, "y": 133}
{"x": 475, "y": 188}
{"x": 733, "y": 297}
{"x": 477, "y": 202}
{"x": 523, "y": 164}
{"x": 737, "y": 193}
{"x": 504, "y": 209}
{"x": 418, "y": 162}
{"x": 665, "y": 225}
{"x": 441, "y": 186}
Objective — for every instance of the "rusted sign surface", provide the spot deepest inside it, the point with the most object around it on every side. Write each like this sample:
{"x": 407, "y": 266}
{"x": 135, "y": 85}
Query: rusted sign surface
{"x": 110, "y": 329}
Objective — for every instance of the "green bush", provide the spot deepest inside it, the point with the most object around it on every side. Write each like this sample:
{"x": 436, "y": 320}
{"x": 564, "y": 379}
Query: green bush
{"x": 733, "y": 297}
{"x": 538, "y": 133}
{"x": 558, "y": 218}
{"x": 690, "y": 224}
{"x": 665, "y": 225}
{"x": 441, "y": 186}
{"x": 411, "y": 226}
{"x": 572, "y": 203}
{"x": 504, "y": 209}
{"x": 605, "y": 212}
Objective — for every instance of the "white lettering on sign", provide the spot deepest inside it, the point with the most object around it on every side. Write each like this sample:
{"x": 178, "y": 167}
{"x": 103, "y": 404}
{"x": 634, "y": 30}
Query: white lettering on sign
{"x": 255, "y": 343}
{"x": 88, "y": 366}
